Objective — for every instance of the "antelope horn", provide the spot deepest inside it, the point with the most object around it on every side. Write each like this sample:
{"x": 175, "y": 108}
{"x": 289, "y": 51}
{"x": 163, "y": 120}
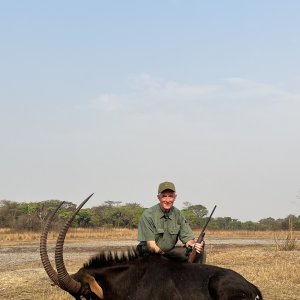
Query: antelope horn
{"x": 43, "y": 248}
{"x": 64, "y": 279}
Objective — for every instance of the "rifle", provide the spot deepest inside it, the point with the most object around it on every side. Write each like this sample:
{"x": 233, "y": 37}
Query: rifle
{"x": 193, "y": 255}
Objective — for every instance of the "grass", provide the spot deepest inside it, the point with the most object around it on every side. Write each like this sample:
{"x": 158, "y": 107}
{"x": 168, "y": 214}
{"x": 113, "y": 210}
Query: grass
{"x": 275, "y": 272}
{"x": 74, "y": 234}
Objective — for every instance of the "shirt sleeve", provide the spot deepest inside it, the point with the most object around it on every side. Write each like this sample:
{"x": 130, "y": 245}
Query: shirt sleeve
{"x": 186, "y": 233}
{"x": 146, "y": 228}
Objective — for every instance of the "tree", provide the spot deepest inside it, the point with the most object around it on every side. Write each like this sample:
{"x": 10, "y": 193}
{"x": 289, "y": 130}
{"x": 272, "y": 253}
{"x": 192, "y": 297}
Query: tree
{"x": 269, "y": 224}
{"x": 187, "y": 204}
{"x": 131, "y": 214}
{"x": 112, "y": 203}
{"x": 194, "y": 214}
{"x": 296, "y": 223}
{"x": 83, "y": 218}
{"x": 126, "y": 215}
{"x": 285, "y": 224}
{"x": 9, "y": 213}
{"x": 249, "y": 225}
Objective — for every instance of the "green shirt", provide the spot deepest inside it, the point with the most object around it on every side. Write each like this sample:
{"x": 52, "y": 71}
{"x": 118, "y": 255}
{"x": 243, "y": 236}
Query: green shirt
{"x": 164, "y": 230}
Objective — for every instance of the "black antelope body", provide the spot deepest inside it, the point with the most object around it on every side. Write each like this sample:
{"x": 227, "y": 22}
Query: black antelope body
{"x": 130, "y": 275}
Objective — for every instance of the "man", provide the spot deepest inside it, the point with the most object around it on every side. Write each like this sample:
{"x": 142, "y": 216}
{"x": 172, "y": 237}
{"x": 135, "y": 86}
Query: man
{"x": 162, "y": 225}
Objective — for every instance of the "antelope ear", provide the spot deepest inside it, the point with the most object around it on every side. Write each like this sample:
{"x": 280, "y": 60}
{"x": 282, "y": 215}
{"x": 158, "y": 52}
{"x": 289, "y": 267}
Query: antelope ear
{"x": 94, "y": 286}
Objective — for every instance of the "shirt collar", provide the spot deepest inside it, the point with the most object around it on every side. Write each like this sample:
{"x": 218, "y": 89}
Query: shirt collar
{"x": 166, "y": 215}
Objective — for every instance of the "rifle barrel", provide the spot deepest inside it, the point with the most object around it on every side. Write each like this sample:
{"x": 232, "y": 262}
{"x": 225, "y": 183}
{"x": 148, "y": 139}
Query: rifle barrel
{"x": 193, "y": 254}
{"x": 207, "y": 221}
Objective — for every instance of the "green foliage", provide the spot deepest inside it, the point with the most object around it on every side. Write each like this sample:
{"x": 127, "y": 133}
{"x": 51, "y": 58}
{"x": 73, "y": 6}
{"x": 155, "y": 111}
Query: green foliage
{"x": 228, "y": 223}
{"x": 249, "y": 225}
{"x": 296, "y": 223}
{"x": 269, "y": 224}
{"x": 32, "y": 215}
{"x": 126, "y": 215}
{"x": 194, "y": 214}
{"x": 83, "y": 218}
{"x": 9, "y": 213}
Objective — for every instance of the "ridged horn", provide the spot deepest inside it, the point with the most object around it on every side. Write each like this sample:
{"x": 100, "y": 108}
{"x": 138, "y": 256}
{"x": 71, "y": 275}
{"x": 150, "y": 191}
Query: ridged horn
{"x": 43, "y": 248}
{"x": 64, "y": 279}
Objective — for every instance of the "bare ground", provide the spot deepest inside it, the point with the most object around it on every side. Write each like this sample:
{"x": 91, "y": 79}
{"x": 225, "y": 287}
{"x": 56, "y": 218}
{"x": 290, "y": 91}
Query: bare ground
{"x": 22, "y": 275}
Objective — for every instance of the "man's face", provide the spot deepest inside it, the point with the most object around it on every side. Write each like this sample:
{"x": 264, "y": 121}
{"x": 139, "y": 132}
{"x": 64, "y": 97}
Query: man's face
{"x": 166, "y": 199}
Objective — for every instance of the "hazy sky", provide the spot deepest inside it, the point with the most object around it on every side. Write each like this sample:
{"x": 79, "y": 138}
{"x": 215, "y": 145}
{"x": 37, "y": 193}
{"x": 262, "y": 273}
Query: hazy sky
{"x": 113, "y": 97}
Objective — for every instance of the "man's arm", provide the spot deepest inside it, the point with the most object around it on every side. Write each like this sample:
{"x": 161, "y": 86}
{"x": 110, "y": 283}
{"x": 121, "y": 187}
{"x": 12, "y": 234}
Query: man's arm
{"x": 153, "y": 247}
{"x": 146, "y": 234}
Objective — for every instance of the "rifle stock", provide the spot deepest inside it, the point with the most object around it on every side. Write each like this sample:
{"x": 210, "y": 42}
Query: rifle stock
{"x": 193, "y": 255}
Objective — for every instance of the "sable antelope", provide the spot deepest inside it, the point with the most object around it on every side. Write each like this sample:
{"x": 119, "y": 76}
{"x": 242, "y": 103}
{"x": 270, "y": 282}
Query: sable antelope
{"x": 131, "y": 275}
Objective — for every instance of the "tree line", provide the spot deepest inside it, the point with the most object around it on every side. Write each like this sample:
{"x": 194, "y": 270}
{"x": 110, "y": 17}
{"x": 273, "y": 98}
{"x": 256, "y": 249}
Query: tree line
{"x": 114, "y": 214}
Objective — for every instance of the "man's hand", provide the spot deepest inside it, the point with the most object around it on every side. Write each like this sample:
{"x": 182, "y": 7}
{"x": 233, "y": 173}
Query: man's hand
{"x": 198, "y": 246}
{"x": 153, "y": 247}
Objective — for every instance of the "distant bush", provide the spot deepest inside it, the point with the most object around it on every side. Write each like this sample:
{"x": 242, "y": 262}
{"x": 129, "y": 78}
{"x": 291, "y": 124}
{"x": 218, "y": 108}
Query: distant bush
{"x": 115, "y": 214}
{"x": 289, "y": 243}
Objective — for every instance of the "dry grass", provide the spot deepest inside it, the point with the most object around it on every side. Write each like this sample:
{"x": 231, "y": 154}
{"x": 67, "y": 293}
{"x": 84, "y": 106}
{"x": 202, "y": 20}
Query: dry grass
{"x": 289, "y": 243}
{"x": 276, "y": 273}
{"x": 74, "y": 234}
{"x": 249, "y": 234}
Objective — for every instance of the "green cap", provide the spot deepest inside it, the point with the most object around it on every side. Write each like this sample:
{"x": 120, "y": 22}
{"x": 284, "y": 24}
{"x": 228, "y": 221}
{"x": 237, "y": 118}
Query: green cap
{"x": 166, "y": 186}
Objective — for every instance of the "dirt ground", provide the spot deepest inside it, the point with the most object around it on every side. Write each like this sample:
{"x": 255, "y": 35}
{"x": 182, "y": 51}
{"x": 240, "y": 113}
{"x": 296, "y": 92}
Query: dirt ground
{"x": 22, "y": 275}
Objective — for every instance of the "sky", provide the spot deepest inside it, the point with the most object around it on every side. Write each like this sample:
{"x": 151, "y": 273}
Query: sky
{"x": 114, "y": 97}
